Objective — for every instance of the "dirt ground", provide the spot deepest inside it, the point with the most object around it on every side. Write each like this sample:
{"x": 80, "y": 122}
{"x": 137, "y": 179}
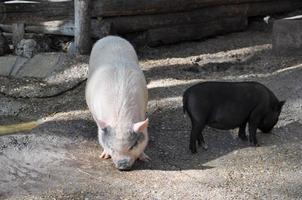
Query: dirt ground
{"x": 59, "y": 159}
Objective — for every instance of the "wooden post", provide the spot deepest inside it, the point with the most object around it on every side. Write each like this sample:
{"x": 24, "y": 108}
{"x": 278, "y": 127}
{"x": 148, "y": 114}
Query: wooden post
{"x": 18, "y": 33}
{"x": 82, "y": 39}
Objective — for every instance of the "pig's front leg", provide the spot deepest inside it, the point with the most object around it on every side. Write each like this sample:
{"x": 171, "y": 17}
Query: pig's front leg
{"x": 144, "y": 157}
{"x": 254, "y": 121}
{"x": 201, "y": 142}
{"x": 252, "y": 136}
{"x": 241, "y": 133}
{"x": 105, "y": 155}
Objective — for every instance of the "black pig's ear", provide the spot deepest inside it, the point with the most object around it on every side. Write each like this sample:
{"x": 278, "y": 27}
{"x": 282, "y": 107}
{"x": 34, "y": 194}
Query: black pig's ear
{"x": 281, "y": 103}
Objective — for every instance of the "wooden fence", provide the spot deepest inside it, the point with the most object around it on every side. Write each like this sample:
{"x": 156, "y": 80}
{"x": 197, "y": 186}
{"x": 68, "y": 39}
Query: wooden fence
{"x": 151, "y": 22}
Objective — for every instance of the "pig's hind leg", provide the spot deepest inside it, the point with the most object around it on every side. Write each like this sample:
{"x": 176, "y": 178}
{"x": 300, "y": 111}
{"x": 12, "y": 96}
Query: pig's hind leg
{"x": 254, "y": 122}
{"x": 195, "y": 135}
{"x": 252, "y": 134}
{"x": 242, "y": 133}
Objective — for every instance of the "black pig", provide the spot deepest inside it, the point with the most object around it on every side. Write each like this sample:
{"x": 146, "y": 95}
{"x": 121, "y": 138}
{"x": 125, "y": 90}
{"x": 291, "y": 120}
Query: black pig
{"x": 228, "y": 105}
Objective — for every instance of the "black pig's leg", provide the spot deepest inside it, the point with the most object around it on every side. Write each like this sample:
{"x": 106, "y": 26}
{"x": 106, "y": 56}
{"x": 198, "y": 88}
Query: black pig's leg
{"x": 201, "y": 141}
{"x": 252, "y": 134}
{"x": 241, "y": 133}
{"x": 196, "y": 131}
{"x": 253, "y": 125}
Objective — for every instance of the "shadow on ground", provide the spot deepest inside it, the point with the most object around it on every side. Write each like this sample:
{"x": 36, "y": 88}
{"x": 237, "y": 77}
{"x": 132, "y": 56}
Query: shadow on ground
{"x": 168, "y": 146}
{"x": 208, "y": 46}
{"x": 169, "y": 133}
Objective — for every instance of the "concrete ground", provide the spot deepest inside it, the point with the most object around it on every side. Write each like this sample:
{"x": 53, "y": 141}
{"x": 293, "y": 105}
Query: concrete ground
{"x": 60, "y": 159}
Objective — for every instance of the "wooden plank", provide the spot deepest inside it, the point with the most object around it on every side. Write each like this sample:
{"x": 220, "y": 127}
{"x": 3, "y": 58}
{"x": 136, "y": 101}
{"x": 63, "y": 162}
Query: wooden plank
{"x": 57, "y": 27}
{"x": 142, "y": 7}
{"x": 46, "y": 11}
{"x": 42, "y": 11}
{"x": 98, "y": 29}
{"x": 82, "y": 38}
{"x": 18, "y": 33}
{"x": 271, "y": 7}
{"x": 129, "y": 24}
{"x": 170, "y": 35}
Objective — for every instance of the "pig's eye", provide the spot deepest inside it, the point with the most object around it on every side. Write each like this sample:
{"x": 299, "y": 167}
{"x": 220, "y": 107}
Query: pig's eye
{"x": 134, "y": 145}
{"x": 105, "y": 130}
{"x": 134, "y": 139}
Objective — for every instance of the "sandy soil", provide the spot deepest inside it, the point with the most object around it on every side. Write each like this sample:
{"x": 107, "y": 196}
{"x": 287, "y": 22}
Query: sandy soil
{"x": 59, "y": 159}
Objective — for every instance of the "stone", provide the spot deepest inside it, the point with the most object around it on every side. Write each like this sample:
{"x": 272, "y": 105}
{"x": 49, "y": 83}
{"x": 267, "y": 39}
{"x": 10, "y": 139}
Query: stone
{"x": 6, "y": 64}
{"x": 42, "y": 65}
{"x": 27, "y": 48}
{"x": 287, "y": 36}
{"x": 44, "y": 75}
{"x": 17, "y": 66}
{"x": 10, "y": 64}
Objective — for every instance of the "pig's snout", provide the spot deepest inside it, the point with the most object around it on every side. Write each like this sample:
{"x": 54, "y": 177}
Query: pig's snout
{"x": 123, "y": 165}
{"x": 267, "y": 130}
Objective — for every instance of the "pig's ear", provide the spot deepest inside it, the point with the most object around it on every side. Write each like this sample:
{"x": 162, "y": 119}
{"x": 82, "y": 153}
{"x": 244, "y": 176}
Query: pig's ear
{"x": 281, "y": 103}
{"x": 139, "y": 127}
{"x": 102, "y": 124}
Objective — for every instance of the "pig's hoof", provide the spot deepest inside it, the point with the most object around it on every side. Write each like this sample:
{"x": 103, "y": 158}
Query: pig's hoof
{"x": 144, "y": 157}
{"x": 243, "y": 137}
{"x": 105, "y": 155}
{"x": 193, "y": 149}
{"x": 254, "y": 144}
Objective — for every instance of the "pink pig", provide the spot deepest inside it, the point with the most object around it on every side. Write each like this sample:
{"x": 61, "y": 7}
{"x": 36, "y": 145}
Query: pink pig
{"x": 117, "y": 96}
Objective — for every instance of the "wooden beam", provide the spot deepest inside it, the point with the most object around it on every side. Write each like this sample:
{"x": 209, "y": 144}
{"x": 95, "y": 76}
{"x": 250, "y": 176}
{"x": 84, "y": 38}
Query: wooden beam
{"x": 18, "y": 33}
{"x": 129, "y": 24}
{"x": 46, "y": 11}
{"x": 142, "y": 7}
{"x": 98, "y": 29}
{"x": 271, "y": 7}
{"x": 82, "y": 22}
{"x": 35, "y": 11}
{"x": 174, "y": 34}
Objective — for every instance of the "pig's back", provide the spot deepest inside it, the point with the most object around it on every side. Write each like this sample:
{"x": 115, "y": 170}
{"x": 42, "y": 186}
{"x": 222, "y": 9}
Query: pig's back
{"x": 116, "y": 88}
{"x": 112, "y": 51}
{"x": 217, "y": 93}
